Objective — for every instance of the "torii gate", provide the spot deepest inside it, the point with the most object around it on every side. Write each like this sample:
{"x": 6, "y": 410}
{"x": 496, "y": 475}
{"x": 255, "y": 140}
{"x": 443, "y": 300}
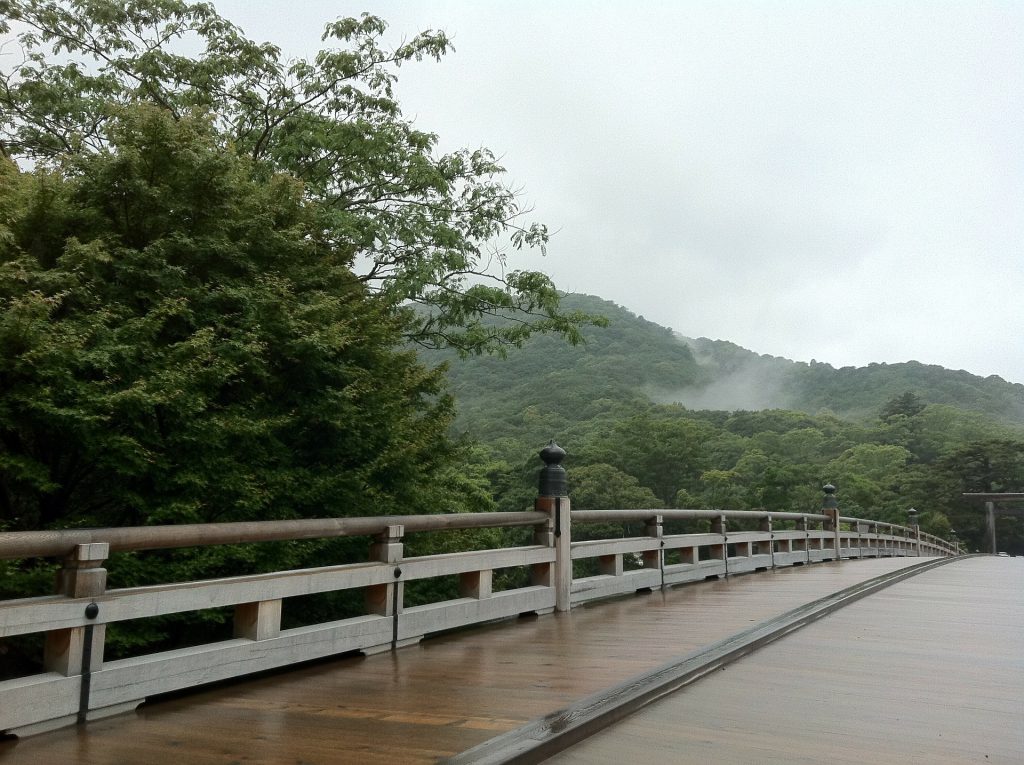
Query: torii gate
{"x": 991, "y": 500}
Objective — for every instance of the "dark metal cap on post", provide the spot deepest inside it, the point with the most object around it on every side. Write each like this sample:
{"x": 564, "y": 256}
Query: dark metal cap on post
{"x": 829, "y": 502}
{"x": 552, "y": 476}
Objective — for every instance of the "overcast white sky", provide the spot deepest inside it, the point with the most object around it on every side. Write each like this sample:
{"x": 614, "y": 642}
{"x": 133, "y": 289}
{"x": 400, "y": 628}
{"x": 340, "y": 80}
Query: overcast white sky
{"x": 841, "y": 181}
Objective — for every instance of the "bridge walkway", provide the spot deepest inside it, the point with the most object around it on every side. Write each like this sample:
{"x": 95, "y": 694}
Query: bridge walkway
{"x": 453, "y": 692}
{"x": 929, "y": 670}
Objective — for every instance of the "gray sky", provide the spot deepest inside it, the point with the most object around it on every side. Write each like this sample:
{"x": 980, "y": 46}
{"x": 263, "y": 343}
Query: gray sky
{"x": 841, "y": 181}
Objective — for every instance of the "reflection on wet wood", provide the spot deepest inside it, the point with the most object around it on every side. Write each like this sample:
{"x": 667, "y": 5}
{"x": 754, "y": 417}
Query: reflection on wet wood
{"x": 443, "y": 695}
{"x": 927, "y": 671}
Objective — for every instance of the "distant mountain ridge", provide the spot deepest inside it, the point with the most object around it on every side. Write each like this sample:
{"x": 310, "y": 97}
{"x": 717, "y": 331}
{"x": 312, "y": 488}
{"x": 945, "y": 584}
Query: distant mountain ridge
{"x": 853, "y": 392}
{"x": 634, "y": 361}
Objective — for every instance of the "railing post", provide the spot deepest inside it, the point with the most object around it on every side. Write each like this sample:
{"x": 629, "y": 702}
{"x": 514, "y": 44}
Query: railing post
{"x": 387, "y": 599}
{"x": 916, "y": 529}
{"x": 830, "y": 508}
{"x": 990, "y": 527}
{"x": 476, "y": 584}
{"x": 553, "y": 499}
{"x": 766, "y": 527}
{"x": 655, "y": 528}
{"x": 82, "y": 576}
{"x": 719, "y": 525}
{"x": 611, "y": 565}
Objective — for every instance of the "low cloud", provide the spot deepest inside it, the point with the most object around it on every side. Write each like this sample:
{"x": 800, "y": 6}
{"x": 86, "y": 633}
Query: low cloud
{"x": 755, "y": 383}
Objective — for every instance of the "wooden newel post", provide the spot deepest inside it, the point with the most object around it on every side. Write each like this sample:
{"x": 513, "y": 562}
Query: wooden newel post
{"x": 82, "y": 576}
{"x": 915, "y": 528}
{"x": 654, "y": 527}
{"x": 830, "y": 508}
{"x": 719, "y": 525}
{"x": 990, "y": 526}
{"x": 768, "y": 545}
{"x": 553, "y": 499}
{"x": 387, "y": 599}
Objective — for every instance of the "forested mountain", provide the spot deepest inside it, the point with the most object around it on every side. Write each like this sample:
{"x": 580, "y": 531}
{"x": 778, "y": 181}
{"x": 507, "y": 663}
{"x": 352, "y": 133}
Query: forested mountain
{"x": 855, "y": 392}
{"x": 653, "y": 419}
{"x": 634, "y": 361}
{"x": 548, "y": 383}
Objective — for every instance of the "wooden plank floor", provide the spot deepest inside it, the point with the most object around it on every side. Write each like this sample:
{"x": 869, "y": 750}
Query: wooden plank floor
{"x": 930, "y": 670}
{"x": 443, "y": 695}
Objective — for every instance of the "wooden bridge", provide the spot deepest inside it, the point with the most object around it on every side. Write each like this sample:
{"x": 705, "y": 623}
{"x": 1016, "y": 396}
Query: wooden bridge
{"x": 599, "y": 632}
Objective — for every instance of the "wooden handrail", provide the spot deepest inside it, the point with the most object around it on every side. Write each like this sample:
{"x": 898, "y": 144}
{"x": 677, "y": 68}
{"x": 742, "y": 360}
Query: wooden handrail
{"x": 56, "y": 543}
{"x": 26, "y": 544}
{"x": 602, "y": 516}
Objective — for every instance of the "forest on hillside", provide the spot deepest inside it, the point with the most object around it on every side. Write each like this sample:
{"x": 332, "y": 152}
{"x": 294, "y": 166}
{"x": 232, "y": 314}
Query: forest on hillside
{"x": 889, "y": 436}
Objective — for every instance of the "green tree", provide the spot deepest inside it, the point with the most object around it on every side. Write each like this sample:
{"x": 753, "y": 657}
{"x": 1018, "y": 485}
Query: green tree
{"x": 722, "y": 490}
{"x": 179, "y": 342}
{"x": 907, "y": 404}
{"x": 994, "y": 465}
{"x": 990, "y": 465}
{"x": 603, "y": 487}
{"x": 775, "y": 484}
{"x": 662, "y": 448}
{"x": 879, "y": 463}
{"x": 414, "y": 228}
{"x": 869, "y": 478}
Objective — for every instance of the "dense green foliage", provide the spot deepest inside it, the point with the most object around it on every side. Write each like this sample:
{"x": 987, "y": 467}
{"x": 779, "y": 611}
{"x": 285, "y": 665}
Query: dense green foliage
{"x": 178, "y": 343}
{"x": 414, "y": 227}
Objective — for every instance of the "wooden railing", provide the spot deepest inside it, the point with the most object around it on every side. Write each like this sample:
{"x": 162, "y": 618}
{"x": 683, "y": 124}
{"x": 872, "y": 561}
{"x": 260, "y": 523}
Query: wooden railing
{"x": 78, "y": 684}
{"x": 782, "y": 539}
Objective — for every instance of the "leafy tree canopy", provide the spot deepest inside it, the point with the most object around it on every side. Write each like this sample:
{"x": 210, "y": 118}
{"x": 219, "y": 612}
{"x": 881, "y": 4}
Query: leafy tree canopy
{"x": 180, "y": 342}
{"x": 413, "y": 227}
{"x": 603, "y": 487}
{"x": 907, "y": 404}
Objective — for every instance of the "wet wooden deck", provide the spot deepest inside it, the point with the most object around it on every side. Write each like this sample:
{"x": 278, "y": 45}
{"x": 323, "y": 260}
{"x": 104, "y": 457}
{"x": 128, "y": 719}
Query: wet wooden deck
{"x": 450, "y": 693}
{"x": 929, "y": 670}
